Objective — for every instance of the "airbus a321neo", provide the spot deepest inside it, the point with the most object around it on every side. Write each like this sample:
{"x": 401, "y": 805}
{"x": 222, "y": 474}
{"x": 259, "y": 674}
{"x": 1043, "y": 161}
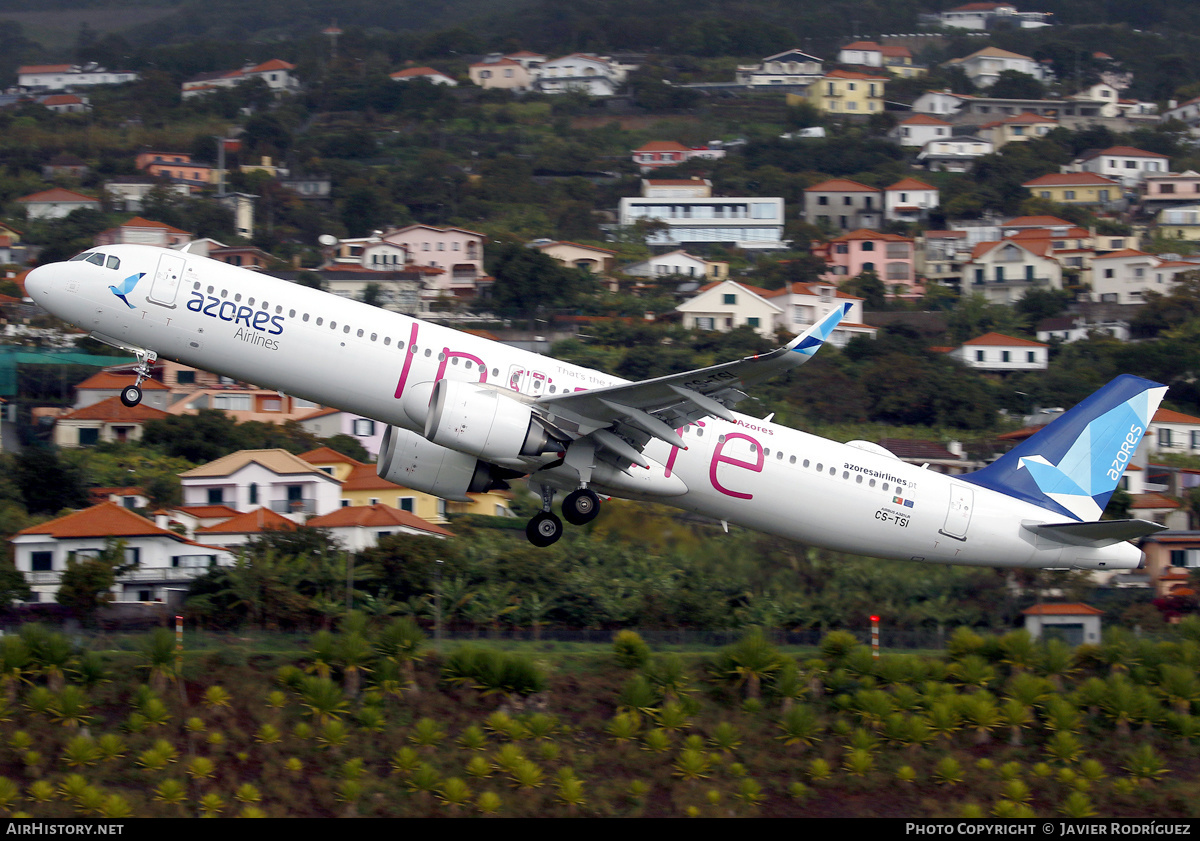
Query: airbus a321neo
{"x": 466, "y": 414}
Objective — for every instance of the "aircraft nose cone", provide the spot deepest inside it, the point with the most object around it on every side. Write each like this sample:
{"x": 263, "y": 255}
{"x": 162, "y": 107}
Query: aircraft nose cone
{"x": 39, "y": 281}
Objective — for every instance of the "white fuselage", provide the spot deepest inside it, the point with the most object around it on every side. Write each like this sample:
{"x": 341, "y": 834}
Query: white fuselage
{"x": 365, "y": 360}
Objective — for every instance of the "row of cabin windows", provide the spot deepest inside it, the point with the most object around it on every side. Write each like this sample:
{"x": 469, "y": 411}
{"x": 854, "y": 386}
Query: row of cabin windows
{"x": 319, "y": 321}
{"x": 807, "y": 464}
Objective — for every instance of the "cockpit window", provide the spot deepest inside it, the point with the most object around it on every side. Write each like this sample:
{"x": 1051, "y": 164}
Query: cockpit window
{"x": 79, "y": 257}
{"x": 113, "y": 262}
{"x": 96, "y": 259}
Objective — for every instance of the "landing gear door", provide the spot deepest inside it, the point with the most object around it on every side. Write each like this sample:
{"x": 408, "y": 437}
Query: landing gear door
{"x": 167, "y": 279}
{"x": 958, "y": 514}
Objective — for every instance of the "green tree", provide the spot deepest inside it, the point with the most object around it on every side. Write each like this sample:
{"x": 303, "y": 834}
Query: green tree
{"x": 87, "y": 582}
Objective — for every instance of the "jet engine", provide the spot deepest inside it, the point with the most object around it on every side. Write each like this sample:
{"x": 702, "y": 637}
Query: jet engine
{"x": 472, "y": 418}
{"x": 410, "y": 460}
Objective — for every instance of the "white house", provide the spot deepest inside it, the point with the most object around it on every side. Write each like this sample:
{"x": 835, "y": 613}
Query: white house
{"x": 671, "y": 263}
{"x": 1125, "y": 164}
{"x": 164, "y": 560}
{"x": 940, "y": 103}
{"x": 278, "y": 75}
{"x": 954, "y": 154}
{"x": 249, "y": 479}
{"x": 591, "y": 74}
{"x": 750, "y": 222}
{"x": 909, "y": 200}
{"x": 861, "y": 53}
{"x": 435, "y": 77}
{"x": 55, "y": 77}
{"x": 56, "y": 203}
{"x": 360, "y": 527}
{"x": 326, "y": 423}
{"x": 727, "y": 305}
{"x": 1123, "y": 277}
{"x": 790, "y": 67}
{"x": 920, "y": 129}
{"x": 997, "y": 352}
{"x": 983, "y": 16}
{"x": 1003, "y": 271}
{"x": 803, "y": 304}
{"x": 1173, "y": 432}
{"x": 983, "y": 67}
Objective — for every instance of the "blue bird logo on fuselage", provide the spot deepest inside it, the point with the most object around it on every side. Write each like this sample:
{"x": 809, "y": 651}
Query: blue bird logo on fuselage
{"x": 126, "y": 287}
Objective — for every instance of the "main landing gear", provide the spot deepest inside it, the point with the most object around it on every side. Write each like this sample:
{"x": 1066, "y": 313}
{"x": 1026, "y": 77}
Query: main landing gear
{"x": 579, "y": 508}
{"x": 131, "y": 395}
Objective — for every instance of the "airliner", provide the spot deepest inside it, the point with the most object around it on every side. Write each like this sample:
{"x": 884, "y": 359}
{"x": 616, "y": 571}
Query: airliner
{"x": 465, "y": 415}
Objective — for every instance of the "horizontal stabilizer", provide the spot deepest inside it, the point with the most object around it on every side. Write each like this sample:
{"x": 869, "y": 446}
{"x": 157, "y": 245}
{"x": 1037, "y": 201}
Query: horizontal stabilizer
{"x": 1096, "y": 534}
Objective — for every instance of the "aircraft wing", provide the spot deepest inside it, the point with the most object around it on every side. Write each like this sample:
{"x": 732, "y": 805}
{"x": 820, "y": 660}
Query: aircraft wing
{"x": 657, "y": 407}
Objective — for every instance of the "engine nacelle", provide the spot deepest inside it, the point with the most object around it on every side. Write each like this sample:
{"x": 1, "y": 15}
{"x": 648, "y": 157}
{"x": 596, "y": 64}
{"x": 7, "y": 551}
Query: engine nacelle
{"x": 409, "y": 460}
{"x": 472, "y": 418}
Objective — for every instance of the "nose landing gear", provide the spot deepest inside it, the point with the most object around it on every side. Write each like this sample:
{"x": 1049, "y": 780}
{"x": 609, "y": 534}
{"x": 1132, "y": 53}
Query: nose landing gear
{"x": 132, "y": 395}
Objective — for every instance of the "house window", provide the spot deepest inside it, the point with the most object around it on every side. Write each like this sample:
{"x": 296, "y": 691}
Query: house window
{"x": 1195, "y": 437}
{"x": 252, "y": 490}
{"x": 1031, "y": 356}
{"x": 729, "y": 299}
{"x": 979, "y": 356}
{"x": 216, "y": 496}
{"x": 89, "y": 436}
{"x": 752, "y": 322}
{"x": 364, "y": 427}
{"x": 41, "y": 561}
{"x": 1005, "y": 356}
{"x": 185, "y": 377}
{"x": 705, "y": 324}
{"x": 1164, "y": 438}
{"x": 407, "y": 503}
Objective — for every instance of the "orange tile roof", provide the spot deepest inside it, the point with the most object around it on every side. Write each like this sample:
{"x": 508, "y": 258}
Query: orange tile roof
{"x": 374, "y": 516}
{"x": 1124, "y": 252}
{"x": 1124, "y": 151}
{"x": 1169, "y": 416}
{"x": 1037, "y": 222}
{"x": 251, "y": 522}
{"x": 325, "y": 455}
{"x": 1000, "y": 339}
{"x": 868, "y": 234}
{"x": 106, "y": 519}
{"x": 108, "y": 381}
{"x": 798, "y": 288}
{"x": 57, "y": 194}
{"x": 923, "y": 120}
{"x": 1071, "y": 179}
{"x": 112, "y": 409}
{"x": 840, "y": 185}
{"x": 1152, "y": 500}
{"x": 413, "y": 72}
{"x": 850, "y": 74}
{"x": 207, "y": 512}
{"x": 364, "y": 478}
{"x": 662, "y": 146}
{"x": 1075, "y": 609}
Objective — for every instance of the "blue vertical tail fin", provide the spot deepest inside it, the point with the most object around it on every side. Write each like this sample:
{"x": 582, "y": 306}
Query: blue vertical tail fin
{"x": 1074, "y": 464}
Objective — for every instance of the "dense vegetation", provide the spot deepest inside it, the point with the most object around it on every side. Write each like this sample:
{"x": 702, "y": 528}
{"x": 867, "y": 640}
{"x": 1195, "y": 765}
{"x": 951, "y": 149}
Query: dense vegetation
{"x": 369, "y": 721}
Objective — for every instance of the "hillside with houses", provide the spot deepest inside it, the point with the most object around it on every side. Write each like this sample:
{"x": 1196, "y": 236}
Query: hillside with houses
{"x": 1008, "y": 199}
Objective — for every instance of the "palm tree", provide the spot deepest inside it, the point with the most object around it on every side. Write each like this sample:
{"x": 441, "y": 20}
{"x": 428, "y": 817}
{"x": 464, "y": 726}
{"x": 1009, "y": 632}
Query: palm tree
{"x": 401, "y": 643}
{"x": 159, "y": 651}
{"x": 50, "y": 652}
{"x": 353, "y": 653}
{"x": 748, "y": 662}
{"x": 14, "y": 666}
{"x": 323, "y": 698}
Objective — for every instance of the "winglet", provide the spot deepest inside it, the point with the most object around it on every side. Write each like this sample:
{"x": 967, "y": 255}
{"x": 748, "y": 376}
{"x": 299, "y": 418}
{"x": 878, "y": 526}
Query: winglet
{"x": 810, "y": 341}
